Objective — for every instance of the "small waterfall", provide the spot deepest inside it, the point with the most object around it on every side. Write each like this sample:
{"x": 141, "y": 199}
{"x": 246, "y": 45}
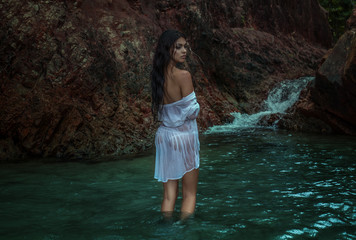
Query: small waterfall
{"x": 282, "y": 97}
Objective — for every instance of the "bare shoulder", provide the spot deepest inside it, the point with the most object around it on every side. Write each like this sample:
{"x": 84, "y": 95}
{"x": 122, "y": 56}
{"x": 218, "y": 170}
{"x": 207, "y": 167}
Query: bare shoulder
{"x": 183, "y": 76}
{"x": 184, "y": 80}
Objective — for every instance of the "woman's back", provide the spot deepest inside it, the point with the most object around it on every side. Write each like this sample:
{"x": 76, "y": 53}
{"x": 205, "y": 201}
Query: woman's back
{"x": 178, "y": 84}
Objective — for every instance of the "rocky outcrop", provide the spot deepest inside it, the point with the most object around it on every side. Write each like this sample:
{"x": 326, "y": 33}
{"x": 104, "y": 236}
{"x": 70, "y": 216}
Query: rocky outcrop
{"x": 249, "y": 46}
{"x": 329, "y": 104}
{"x": 75, "y": 74}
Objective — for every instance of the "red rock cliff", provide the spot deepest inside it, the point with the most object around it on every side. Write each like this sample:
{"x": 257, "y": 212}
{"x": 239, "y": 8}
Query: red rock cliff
{"x": 329, "y": 104}
{"x": 74, "y": 74}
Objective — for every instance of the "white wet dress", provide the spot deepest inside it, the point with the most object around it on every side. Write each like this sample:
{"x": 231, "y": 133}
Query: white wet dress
{"x": 177, "y": 139}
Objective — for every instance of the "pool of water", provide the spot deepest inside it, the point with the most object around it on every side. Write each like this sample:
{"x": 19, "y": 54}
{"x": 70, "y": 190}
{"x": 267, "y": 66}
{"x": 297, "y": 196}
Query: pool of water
{"x": 253, "y": 184}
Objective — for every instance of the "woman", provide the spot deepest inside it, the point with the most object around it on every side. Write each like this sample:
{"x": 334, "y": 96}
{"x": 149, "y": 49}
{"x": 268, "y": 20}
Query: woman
{"x": 177, "y": 142}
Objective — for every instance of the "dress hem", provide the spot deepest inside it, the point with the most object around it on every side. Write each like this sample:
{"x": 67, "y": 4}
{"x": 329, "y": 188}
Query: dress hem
{"x": 178, "y": 177}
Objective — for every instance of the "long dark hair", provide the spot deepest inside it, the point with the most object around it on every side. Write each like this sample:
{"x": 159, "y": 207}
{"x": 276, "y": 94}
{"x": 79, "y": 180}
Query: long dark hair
{"x": 160, "y": 62}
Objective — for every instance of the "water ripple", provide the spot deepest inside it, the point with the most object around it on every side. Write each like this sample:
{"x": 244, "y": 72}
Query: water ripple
{"x": 258, "y": 184}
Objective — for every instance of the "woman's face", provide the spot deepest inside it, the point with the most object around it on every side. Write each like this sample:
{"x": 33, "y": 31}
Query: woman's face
{"x": 179, "y": 52}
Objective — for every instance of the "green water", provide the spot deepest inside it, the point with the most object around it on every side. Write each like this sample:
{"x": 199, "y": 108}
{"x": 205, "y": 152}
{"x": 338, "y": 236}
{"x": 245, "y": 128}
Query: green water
{"x": 254, "y": 184}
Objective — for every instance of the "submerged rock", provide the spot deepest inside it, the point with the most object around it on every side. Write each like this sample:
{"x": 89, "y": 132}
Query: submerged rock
{"x": 75, "y": 74}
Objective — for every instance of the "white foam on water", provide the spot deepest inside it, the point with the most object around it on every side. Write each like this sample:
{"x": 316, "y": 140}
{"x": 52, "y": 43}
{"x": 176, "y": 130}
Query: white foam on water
{"x": 282, "y": 97}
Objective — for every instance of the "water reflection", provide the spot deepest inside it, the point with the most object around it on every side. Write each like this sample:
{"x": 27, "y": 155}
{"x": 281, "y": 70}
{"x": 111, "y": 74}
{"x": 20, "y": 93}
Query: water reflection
{"x": 254, "y": 184}
{"x": 289, "y": 175}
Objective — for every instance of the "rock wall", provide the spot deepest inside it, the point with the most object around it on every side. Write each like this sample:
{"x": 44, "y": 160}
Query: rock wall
{"x": 329, "y": 104}
{"x": 74, "y": 77}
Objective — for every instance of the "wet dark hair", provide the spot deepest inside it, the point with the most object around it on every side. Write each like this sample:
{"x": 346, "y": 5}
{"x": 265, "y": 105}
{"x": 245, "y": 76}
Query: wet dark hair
{"x": 160, "y": 63}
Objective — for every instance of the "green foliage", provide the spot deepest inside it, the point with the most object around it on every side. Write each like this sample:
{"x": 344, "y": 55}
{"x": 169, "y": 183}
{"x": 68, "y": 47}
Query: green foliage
{"x": 339, "y": 12}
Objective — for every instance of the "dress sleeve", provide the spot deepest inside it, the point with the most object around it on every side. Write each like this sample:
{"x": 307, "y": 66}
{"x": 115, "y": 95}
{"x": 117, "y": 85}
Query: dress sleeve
{"x": 194, "y": 109}
{"x": 175, "y": 114}
{"x": 190, "y": 107}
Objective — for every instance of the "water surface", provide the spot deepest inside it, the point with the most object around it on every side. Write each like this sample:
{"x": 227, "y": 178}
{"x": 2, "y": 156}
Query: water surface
{"x": 254, "y": 184}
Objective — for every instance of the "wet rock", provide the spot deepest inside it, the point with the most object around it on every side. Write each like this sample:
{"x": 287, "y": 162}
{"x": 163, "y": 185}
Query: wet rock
{"x": 74, "y": 75}
{"x": 329, "y": 104}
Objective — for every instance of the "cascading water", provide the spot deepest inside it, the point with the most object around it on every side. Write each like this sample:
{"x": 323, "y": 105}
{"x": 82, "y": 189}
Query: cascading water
{"x": 279, "y": 100}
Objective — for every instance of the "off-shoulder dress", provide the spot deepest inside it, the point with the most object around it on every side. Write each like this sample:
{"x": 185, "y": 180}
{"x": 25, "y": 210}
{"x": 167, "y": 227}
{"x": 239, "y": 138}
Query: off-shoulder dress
{"x": 177, "y": 139}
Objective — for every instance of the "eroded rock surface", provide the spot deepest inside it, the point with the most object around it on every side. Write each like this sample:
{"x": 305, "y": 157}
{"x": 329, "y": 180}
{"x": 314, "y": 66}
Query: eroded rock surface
{"x": 329, "y": 104}
{"x": 75, "y": 74}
